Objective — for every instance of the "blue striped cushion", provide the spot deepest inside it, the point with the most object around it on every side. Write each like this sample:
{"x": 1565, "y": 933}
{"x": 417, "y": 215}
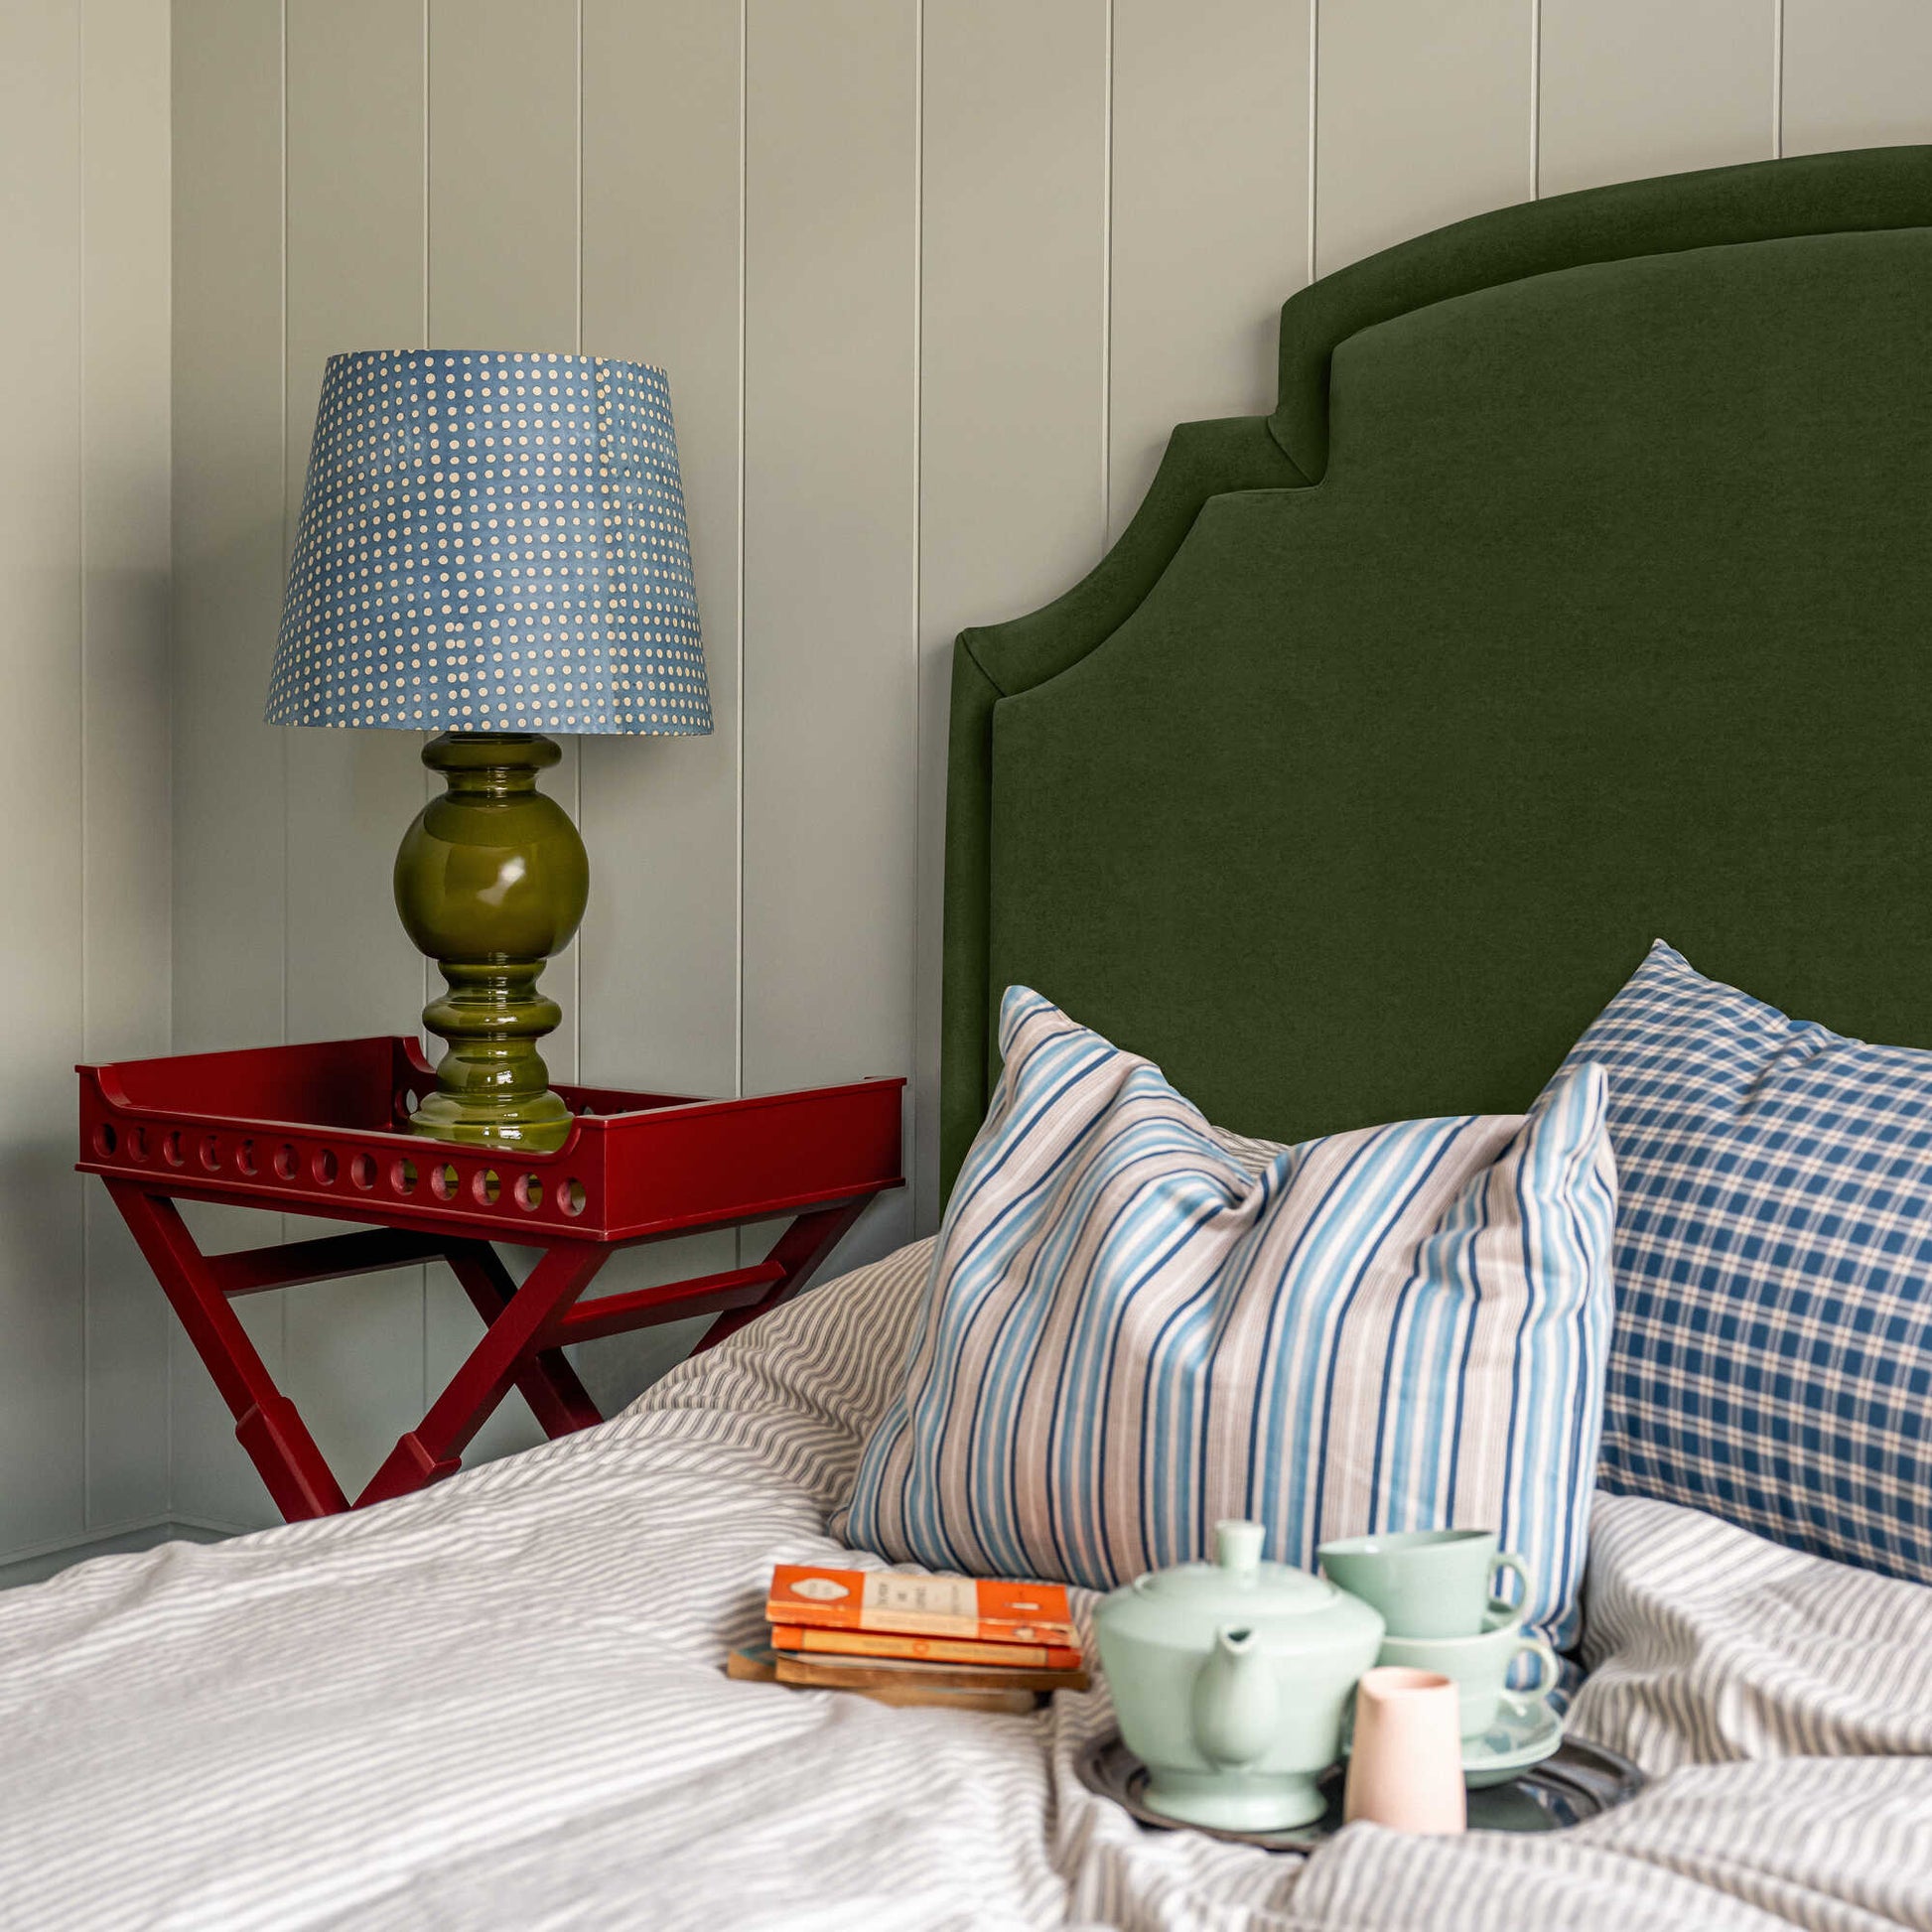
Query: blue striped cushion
{"x": 1127, "y": 1333}
{"x": 1772, "y": 1361}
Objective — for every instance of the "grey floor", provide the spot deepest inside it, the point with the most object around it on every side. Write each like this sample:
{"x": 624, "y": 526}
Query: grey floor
{"x": 38, "y": 1568}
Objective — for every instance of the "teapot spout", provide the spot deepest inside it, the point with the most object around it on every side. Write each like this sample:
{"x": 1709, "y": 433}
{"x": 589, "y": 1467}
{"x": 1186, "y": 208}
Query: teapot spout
{"x": 1234, "y": 1700}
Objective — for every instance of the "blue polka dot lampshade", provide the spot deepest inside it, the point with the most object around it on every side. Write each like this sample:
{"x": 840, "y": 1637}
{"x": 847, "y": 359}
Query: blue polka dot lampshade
{"x": 492, "y": 542}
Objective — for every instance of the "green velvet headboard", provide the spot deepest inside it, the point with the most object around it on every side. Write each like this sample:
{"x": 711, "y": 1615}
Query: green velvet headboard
{"x": 1577, "y": 591}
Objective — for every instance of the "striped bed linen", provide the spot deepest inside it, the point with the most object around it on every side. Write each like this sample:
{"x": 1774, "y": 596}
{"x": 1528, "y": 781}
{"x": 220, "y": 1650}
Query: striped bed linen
{"x": 499, "y": 1704}
{"x": 1782, "y": 1703}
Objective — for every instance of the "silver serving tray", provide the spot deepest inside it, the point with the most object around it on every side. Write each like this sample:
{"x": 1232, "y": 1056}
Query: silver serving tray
{"x": 1582, "y": 1780}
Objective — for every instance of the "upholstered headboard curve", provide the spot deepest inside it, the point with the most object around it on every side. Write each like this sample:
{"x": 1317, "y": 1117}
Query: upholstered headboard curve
{"x": 1577, "y": 591}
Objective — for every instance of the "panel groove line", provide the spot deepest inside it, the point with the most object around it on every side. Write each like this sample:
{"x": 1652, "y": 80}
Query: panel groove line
{"x": 1536, "y": 99}
{"x": 1315, "y": 130}
{"x": 82, "y": 655}
{"x": 1108, "y": 94}
{"x": 737, "y": 823}
{"x": 742, "y": 1251}
{"x": 1777, "y": 78}
{"x": 925, "y": 1035}
{"x": 287, "y": 549}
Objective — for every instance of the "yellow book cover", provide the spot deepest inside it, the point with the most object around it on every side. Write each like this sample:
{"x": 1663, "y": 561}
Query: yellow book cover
{"x": 921, "y": 1607}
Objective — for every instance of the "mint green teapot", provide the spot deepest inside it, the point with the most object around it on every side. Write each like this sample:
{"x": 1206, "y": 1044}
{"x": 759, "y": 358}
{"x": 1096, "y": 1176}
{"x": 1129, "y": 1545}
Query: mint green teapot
{"x": 1232, "y": 1680}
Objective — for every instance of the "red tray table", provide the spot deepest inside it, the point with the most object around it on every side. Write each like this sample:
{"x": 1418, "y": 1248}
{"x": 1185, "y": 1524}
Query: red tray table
{"x": 322, "y": 1130}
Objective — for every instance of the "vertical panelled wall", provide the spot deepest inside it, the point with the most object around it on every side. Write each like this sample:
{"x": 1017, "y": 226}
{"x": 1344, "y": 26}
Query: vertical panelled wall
{"x": 933, "y": 281}
{"x": 83, "y": 786}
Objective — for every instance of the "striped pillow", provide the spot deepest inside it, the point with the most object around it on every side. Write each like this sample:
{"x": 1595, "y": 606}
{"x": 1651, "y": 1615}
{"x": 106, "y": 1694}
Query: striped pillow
{"x": 1772, "y": 1361}
{"x": 1125, "y": 1333}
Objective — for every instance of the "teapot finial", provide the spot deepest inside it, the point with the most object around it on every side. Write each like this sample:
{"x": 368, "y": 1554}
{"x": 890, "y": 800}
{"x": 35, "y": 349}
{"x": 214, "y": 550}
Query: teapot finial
{"x": 1237, "y": 1545}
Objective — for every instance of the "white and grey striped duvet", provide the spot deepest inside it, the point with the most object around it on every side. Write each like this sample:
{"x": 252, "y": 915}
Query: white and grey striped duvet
{"x": 499, "y": 1705}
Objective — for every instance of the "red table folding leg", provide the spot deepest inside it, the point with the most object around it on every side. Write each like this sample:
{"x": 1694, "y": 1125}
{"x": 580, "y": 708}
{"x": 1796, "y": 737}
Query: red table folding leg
{"x": 322, "y": 1130}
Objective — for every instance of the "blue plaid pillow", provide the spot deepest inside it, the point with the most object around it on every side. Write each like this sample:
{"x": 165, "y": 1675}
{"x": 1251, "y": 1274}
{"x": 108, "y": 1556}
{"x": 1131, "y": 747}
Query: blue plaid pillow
{"x": 1772, "y": 1359}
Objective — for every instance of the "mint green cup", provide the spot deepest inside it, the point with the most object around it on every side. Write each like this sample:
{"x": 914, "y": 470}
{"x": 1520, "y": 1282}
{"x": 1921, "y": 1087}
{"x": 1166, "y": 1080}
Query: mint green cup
{"x": 1426, "y": 1582}
{"x": 1479, "y": 1666}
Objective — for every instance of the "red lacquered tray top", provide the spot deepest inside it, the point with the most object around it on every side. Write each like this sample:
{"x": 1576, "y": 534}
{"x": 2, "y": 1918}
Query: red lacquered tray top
{"x": 325, "y": 1127}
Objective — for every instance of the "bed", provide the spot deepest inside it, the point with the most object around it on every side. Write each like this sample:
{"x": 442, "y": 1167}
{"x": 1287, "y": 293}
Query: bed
{"x": 1575, "y": 592}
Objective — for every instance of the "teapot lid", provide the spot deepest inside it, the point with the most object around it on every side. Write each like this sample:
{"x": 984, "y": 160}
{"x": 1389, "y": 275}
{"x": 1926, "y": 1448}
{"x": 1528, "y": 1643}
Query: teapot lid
{"x": 1238, "y": 1583}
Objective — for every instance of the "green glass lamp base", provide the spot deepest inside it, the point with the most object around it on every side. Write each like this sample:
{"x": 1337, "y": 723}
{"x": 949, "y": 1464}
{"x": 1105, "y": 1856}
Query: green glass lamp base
{"x": 539, "y": 1126}
{"x": 490, "y": 881}
{"x": 492, "y": 1085}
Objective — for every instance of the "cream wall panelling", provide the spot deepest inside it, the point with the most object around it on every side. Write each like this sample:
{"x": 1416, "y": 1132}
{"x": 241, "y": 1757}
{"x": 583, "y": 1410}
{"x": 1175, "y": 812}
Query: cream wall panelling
{"x": 932, "y": 279}
{"x": 1651, "y": 86}
{"x": 126, "y": 699}
{"x": 1210, "y": 221}
{"x": 502, "y": 165}
{"x": 228, "y": 767}
{"x": 43, "y": 1417}
{"x": 663, "y": 282}
{"x": 1422, "y": 115}
{"x": 831, "y": 535}
{"x": 230, "y": 843}
{"x": 1012, "y": 375}
{"x": 1854, "y": 73}
{"x": 355, "y": 199}
{"x": 83, "y": 542}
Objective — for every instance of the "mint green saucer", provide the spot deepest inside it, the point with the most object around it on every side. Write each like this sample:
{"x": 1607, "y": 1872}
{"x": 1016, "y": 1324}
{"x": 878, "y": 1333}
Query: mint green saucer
{"x": 1525, "y": 1733}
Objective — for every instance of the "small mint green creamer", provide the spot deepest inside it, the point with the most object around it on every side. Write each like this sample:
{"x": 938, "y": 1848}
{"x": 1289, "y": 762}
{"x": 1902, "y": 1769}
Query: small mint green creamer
{"x": 1232, "y": 1680}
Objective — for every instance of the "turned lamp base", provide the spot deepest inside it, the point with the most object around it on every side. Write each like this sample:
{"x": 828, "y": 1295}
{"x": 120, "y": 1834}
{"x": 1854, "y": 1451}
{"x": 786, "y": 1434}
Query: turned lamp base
{"x": 491, "y": 881}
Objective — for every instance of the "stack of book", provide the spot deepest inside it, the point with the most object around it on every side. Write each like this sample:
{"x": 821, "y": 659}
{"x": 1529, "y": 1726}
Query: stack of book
{"x": 947, "y": 1641}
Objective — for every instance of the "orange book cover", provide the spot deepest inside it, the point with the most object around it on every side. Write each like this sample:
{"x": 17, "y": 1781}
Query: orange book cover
{"x": 920, "y": 1606}
{"x": 933, "y": 1650}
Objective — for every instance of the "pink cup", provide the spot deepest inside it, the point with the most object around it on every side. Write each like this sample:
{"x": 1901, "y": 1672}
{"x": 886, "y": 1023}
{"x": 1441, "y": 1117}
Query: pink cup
{"x": 1405, "y": 1769}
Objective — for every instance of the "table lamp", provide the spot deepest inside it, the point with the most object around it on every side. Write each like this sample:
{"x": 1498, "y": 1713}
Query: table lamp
{"x": 492, "y": 546}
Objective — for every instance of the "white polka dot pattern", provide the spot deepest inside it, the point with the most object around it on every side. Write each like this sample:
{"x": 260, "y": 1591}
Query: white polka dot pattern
{"x": 492, "y": 542}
